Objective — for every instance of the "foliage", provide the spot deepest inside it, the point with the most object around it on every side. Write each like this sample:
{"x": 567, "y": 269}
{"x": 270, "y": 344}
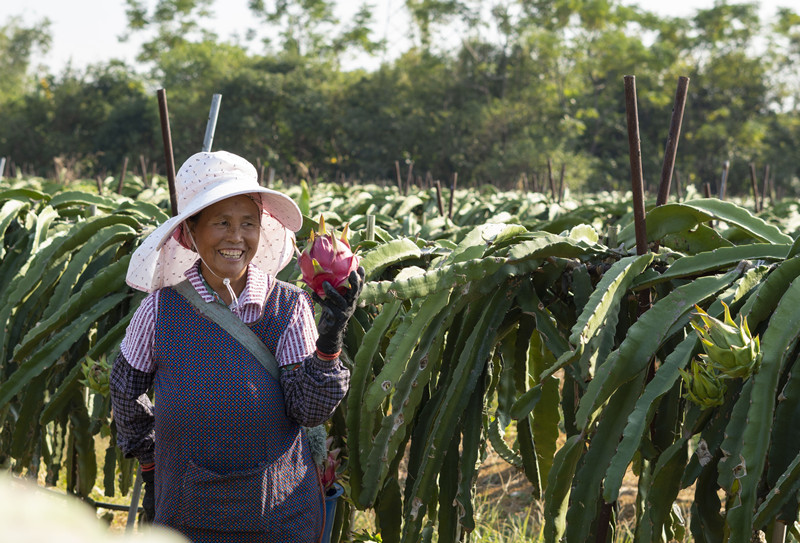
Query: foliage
{"x": 518, "y": 314}
{"x": 524, "y": 83}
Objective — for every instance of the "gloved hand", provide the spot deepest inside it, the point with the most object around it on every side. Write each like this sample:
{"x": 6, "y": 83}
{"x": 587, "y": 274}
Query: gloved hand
{"x": 149, "y": 499}
{"x": 336, "y": 311}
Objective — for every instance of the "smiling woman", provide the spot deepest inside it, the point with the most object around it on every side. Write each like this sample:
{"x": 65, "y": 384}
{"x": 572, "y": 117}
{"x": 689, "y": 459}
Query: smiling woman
{"x": 226, "y": 237}
{"x": 225, "y": 457}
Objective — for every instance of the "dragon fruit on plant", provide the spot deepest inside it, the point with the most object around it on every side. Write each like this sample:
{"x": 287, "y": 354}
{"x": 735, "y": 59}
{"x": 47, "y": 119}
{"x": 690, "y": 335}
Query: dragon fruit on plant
{"x": 326, "y": 258}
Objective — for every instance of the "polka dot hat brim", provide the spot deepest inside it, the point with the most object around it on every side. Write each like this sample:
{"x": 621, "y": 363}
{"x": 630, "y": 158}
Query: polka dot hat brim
{"x": 205, "y": 179}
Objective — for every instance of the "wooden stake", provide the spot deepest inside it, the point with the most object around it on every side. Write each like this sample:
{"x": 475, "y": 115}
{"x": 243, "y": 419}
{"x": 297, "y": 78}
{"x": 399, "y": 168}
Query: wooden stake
{"x": 754, "y": 184}
{"x": 166, "y": 135}
{"x": 635, "y": 155}
{"x": 766, "y": 187}
{"x": 439, "y": 197}
{"x": 550, "y": 177}
{"x": 143, "y": 165}
{"x": 723, "y": 185}
{"x": 452, "y": 193}
{"x": 671, "y": 150}
{"x": 397, "y": 174}
{"x": 409, "y": 177}
{"x": 122, "y": 177}
{"x": 561, "y": 183}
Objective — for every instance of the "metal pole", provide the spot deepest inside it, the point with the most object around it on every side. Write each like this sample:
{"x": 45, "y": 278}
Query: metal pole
{"x": 166, "y": 135}
{"x": 212, "y": 122}
{"x": 134, "y": 508}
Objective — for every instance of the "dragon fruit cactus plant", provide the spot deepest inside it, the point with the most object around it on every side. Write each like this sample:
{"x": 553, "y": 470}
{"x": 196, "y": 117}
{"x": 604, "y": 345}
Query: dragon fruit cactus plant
{"x": 326, "y": 258}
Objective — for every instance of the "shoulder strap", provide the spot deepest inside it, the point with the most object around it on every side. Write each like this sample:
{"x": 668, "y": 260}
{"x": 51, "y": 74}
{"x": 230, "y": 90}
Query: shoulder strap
{"x": 222, "y": 316}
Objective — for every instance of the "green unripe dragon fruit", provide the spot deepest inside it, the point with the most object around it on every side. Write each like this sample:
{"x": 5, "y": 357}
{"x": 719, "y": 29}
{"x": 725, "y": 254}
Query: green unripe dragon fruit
{"x": 729, "y": 348}
{"x": 326, "y": 258}
{"x": 703, "y": 385}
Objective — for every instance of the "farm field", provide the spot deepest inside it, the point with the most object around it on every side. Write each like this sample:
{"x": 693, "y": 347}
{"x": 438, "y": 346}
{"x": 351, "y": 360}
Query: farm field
{"x": 513, "y": 358}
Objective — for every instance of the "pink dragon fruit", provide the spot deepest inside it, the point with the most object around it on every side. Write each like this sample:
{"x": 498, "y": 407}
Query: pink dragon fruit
{"x": 326, "y": 258}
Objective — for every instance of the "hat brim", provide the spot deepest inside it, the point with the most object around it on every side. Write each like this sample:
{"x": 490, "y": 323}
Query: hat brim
{"x": 161, "y": 260}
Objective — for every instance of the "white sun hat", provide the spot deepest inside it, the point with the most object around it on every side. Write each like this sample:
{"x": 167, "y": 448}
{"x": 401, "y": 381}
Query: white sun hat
{"x": 205, "y": 179}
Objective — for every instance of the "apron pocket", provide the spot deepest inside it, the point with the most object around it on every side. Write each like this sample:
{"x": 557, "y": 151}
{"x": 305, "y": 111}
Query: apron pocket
{"x": 234, "y": 502}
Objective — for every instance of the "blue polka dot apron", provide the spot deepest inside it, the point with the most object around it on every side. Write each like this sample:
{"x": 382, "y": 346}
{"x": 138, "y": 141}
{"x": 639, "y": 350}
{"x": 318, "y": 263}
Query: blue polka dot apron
{"x": 230, "y": 465}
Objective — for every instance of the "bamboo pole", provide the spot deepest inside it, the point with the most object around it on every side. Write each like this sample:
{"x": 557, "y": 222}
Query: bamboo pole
{"x": 166, "y": 135}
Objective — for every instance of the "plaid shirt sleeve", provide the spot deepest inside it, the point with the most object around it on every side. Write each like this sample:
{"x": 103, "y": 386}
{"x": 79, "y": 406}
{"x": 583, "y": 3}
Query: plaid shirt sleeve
{"x": 312, "y": 388}
{"x": 133, "y": 410}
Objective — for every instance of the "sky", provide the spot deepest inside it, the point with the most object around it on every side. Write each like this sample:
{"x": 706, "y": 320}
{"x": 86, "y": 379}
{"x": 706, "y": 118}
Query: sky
{"x": 87, "y": 31}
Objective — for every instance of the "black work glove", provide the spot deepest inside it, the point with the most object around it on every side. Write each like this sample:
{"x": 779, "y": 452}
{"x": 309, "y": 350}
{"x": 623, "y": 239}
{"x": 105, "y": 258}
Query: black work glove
{"x": 336, "y": 311}
{"x": 149, "y": 499}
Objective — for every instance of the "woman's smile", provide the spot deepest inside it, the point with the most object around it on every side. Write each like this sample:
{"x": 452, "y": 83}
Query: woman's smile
{"x": 226, "y": 237}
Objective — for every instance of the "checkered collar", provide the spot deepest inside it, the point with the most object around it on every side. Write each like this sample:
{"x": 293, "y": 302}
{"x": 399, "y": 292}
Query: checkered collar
{"x": 254, "y": 293}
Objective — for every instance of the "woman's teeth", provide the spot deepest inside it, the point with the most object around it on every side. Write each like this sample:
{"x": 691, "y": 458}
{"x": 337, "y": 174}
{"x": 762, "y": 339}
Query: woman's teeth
{"x": 231, "y": 254}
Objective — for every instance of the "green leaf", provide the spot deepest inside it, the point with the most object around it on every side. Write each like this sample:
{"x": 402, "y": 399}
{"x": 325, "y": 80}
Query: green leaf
{"x": 716, "y": 260}
{"x": 783, "y": 329}
{"x": 642, "y": 414}
{"x": 389, "y": 254}
{"x": 644, "y": 338}
{"x": 674, "y": 218}
{"x": 48, "y": 353}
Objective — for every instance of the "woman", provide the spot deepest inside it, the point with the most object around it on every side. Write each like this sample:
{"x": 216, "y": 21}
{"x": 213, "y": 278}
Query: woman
{"x": 224, "y": 445}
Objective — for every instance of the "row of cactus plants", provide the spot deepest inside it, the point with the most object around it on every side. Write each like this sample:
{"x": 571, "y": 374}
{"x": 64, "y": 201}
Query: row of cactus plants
{"x": 518, "y": 314}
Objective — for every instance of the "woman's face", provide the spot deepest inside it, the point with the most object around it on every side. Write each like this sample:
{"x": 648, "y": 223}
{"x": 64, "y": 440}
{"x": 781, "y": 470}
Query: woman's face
{"x": 226, "y": 236}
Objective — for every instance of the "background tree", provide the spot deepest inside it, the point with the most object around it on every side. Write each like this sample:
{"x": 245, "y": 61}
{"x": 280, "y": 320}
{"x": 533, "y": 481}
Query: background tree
{"x": 18, "y": 44}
